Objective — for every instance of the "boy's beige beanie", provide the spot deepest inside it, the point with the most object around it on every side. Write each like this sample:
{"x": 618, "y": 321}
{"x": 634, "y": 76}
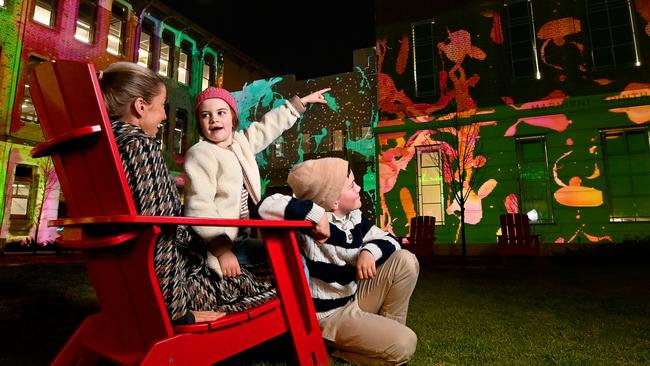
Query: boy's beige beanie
{"x": 319, "y": 180}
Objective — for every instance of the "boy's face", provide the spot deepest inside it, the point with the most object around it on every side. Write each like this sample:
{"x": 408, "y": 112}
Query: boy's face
{"x": 349, "y": 199}
{"x": 215, "y": 118}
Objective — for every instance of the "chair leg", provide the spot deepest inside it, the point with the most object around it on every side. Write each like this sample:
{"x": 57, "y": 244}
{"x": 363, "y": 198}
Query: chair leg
{"x": 74, "y": 352}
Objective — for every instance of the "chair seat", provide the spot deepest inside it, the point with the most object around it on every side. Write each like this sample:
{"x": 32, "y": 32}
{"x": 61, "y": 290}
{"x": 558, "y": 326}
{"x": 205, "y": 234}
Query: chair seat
{"x": 228, "y": 320}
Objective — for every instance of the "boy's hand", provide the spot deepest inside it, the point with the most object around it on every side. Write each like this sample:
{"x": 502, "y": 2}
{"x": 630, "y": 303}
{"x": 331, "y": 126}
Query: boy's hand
{"x": 229, "y": 264}
{"x": 366, "y": 268}
{"x": 321, "y": 232}
{"x": 315, "y": 97}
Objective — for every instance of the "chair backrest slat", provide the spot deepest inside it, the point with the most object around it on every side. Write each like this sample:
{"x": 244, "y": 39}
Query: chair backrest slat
{"x": 423, "y": 229}
{"x": 67, "y": 96}
{"x": 515, "y": 228}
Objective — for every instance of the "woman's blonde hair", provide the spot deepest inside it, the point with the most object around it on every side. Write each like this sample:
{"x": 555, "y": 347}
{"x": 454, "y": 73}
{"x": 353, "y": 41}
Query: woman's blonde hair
{"x": 123, "y": 82}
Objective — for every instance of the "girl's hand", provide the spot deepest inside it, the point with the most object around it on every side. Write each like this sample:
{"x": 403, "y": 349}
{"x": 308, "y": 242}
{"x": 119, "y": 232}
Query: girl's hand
{"x": 229, "y": 264}
{"x": 315, "y": 97}
{"x": 366, "y": 268}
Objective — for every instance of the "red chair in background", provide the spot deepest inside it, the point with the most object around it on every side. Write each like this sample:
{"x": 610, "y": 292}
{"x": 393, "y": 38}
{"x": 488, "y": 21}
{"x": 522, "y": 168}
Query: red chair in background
{"x": 515, "y": 238}
{"x": 422, "y": 237}
{"x": 133, "y": 326}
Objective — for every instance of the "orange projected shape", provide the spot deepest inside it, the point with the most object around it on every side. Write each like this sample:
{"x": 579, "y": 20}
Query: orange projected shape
{"x": 512, "y": 203}
{"x": 569, "y": 141}
{"x": 407, "y": 203}
{"x": 603, "y": 81}
{"x": 639, "y": 114}
{"x": 575, "y": 195}
{"x": 643, "y": 8}
{"x": 554, "y": 99}
{"x": 556, "y": 30}
{"x": 596, "y": 173}
{"x": 595, "y": 239}
{"x": 496, "y": 33}
{"x": 632, "y": 90}
{"x": 403, "y": 55}
{"x": 473, "y": 205}
{"x": 557, "y": 122}
{"x": 592, "y": 150}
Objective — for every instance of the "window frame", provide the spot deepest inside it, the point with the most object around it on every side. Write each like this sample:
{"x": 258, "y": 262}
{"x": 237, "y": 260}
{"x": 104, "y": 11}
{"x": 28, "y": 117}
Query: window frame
{"x": 591, "y": 29}
{"x": 91, "y": 24}
{"x": 53, "y": 10}
{"x": 424, "y": 41}
{"x": 440, "y": 215}
{"x": 523, "y": 206}
{"x": 121, "y": 37}
{"x": 534, "y": 56}
{"x": 608, "y": 175}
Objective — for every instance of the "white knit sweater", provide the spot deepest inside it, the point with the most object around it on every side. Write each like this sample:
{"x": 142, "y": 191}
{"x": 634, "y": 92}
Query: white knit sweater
{"x": 215, "y": 175}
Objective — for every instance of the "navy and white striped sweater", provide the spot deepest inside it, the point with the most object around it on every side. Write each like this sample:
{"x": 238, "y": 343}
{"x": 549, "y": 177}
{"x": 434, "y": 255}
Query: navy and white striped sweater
{"x": 332, "y": 265}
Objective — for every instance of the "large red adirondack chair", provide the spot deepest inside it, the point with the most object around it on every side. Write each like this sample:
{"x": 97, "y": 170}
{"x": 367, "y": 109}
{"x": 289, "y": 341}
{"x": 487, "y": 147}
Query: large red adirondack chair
{"x": 133, "y": 326}
{"x": 515, "y": 238}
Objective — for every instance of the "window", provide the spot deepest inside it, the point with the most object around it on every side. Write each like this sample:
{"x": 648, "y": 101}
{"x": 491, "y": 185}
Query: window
{"x": 85, "y": 31}
{"x": 27, "y": 111}
{"x": 45, "y": 12}
{"x": 21, "y": 192}
{"x": 180, "y": 131}
{"x": 144, "y": 50}
{"x": 2, "y": 3}
{"x": 430, "y": 195}
{"x": 166, "y": 61}
{"x": 627, "y": 169}
{"x": 117, "y": 30}
{"x": 612, "y": 34}
{"x": 184, "y": 63}
{"x": 534, "y": 186}
{"x": 425, "y": 71}
{"x": 209, "y": 72}
{"x": 521, "y": 40}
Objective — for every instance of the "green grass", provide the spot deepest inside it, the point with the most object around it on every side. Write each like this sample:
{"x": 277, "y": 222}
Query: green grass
{"x": 523, "y": 315}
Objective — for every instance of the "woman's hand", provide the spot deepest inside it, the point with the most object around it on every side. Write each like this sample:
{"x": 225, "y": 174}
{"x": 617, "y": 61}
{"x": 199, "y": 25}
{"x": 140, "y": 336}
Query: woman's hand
{"x": 229, "y": 264}
{"x": 315, "y": 97}
{"x": 206, "y": 316}
{"x": 366, "y": 268}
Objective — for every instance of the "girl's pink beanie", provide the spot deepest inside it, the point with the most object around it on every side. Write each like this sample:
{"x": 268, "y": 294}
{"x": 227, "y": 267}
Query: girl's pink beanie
{"x": 216, "y": 93}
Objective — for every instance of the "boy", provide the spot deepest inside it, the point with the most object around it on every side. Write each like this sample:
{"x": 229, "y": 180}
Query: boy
{"x": 360, "y": 279}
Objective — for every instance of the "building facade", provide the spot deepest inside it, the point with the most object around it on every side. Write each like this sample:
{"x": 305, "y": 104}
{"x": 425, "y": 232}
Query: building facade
{"x": 542, "y": 107}
{"x": 102, "y": 32}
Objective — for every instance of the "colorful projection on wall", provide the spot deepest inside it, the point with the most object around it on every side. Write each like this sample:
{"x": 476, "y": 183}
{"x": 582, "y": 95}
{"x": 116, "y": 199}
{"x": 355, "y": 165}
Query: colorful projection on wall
{"x": 566, "y": 107}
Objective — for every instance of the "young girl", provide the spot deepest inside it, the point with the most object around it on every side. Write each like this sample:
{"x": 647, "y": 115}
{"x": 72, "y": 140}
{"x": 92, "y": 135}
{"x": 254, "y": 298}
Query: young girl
{"x": 135, "y": 99}
{"x": 222, "y": 173}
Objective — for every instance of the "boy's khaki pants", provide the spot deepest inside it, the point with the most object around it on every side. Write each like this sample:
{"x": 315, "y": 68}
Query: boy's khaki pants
{"x": 371, "y": 330}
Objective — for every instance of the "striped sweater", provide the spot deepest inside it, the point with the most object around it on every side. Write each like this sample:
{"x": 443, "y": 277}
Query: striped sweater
{"x": 332, "y": 265}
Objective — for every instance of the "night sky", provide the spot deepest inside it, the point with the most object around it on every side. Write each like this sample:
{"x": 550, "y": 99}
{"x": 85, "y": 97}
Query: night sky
{"x": 284, "y": 35}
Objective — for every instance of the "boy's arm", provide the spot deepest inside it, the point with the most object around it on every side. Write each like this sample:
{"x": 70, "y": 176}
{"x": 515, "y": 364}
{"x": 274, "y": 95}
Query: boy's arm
{"x": 378, "y": 242}
{"x": 281, "y": 207}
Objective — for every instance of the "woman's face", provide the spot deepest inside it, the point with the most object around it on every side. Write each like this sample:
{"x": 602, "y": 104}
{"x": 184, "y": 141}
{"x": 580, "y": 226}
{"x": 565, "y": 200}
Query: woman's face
{"x": 153, "y": 113}
{"x": 215, "y": 117}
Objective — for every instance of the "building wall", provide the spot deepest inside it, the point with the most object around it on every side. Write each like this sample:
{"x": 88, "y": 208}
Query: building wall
{"x": 570, "y": 106}
{"x": 24, "y": 39}
{"x": 351, "y": 111}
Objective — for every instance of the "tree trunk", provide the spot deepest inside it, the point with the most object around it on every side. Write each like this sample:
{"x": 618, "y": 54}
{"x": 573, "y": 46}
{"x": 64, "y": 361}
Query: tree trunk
{"x": 462, "y": 230}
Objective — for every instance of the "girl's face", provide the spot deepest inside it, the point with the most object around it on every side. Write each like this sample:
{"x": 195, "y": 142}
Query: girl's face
{"x": 349, "y": 199}
{"x": 152, "y": 114}
{"x": 215, "y": 118}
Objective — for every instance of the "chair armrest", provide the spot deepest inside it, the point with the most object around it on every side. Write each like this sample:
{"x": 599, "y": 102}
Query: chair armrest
{"x": 180, "y": 220}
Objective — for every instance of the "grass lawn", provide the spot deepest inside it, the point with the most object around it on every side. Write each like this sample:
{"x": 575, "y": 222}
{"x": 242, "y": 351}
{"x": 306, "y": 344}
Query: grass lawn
{"x": 522, "y": 315}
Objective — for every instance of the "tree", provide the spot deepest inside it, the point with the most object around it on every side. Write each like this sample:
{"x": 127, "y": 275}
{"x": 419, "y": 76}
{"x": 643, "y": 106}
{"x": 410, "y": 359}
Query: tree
{"x": 458, "y": 144}
{"x": 46, "y": 205}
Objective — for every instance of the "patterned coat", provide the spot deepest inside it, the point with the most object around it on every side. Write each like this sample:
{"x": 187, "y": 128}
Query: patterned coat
{"x": 179, "y": 259}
